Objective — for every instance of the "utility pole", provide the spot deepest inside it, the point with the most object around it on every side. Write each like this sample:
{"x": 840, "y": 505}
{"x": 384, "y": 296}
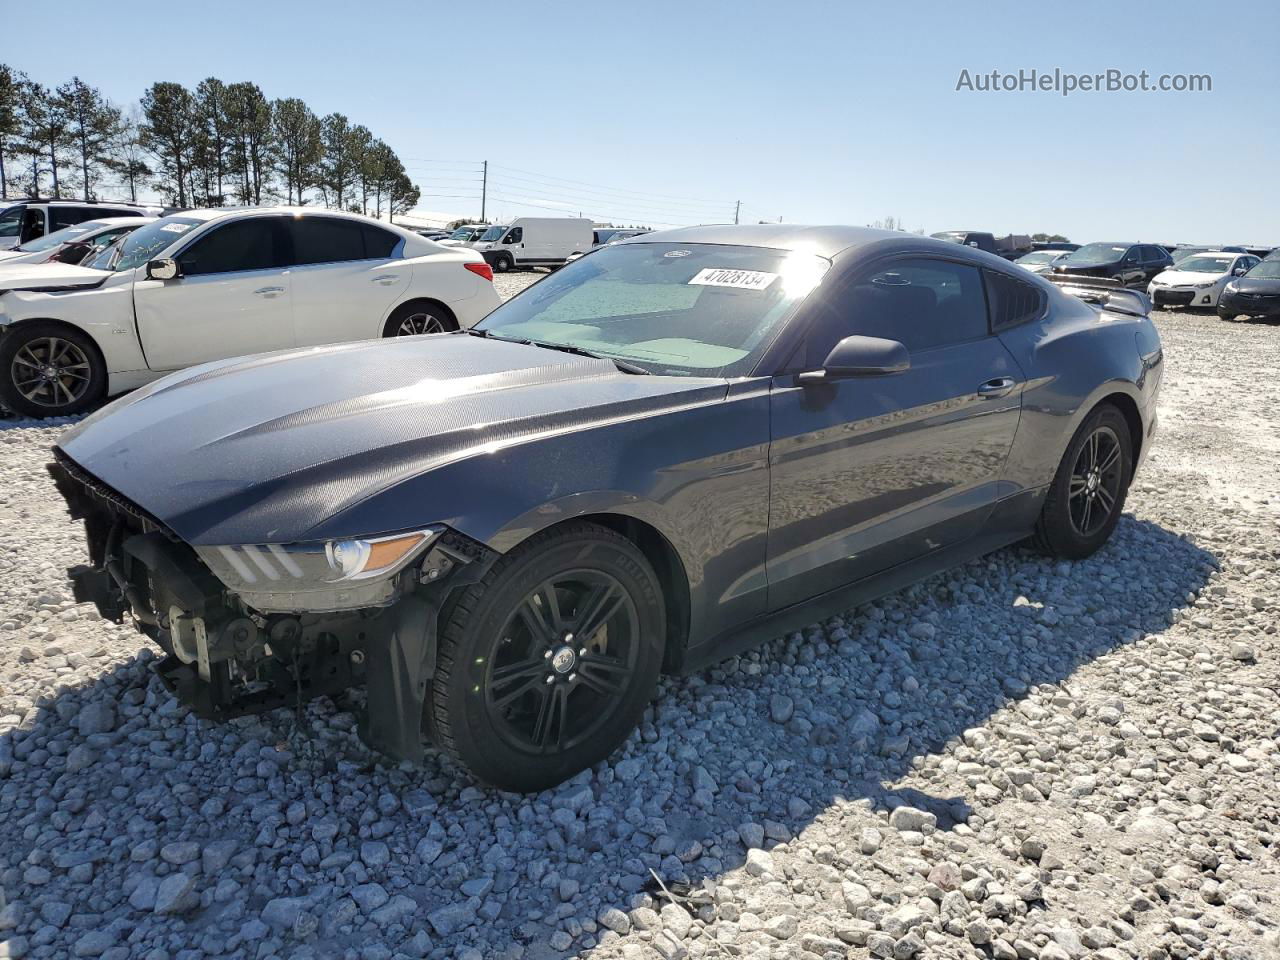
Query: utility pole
{"x": 737, "y": 207}
{"x": 484, "y": 188}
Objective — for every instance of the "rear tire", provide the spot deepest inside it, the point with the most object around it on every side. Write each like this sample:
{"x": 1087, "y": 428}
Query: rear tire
{"x": 1088, "y": 491}
{"x": 50, "y": 370}
{"x": 547, "y": 663}
{"x": 413, "y": 319}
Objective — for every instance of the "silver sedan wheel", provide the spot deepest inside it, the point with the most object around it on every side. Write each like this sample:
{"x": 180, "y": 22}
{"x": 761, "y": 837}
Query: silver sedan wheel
{"x": 51, "y": 372}
{"x": 417, "y": 323}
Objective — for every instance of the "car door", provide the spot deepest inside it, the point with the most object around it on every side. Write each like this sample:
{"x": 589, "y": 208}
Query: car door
{"x": 1154, "y": 261}
{"x": 232, "y": 298}
{"x": 346, "y": 277}
{"x": 1131, "y": 271}
{"x": 870, "y": 472}
{"x": 514, "y": 243}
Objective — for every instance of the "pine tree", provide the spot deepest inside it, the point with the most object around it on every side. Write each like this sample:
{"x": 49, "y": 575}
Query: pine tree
{"x": 91, "y": 122}
{"x": 168, "y": 134}
{"x": 298, "y": 147}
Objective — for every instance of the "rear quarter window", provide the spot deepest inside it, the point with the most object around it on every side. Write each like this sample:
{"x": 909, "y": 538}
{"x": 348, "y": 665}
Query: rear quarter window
{"x": 1011, "y": 301}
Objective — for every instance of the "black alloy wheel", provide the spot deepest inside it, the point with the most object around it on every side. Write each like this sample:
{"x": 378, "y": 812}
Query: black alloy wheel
{"x": 1084, "y": 502}
{"x": 1096, "y": 480}
{"x": 546, "y": 664}
{"x": 559, "y": 666}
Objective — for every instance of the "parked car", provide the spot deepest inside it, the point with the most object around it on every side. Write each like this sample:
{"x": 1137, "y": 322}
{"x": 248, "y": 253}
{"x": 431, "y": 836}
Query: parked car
{"x": 1131, "y": 264}
{"x": 1262, "y": 253}
{"x": 28, "y": 220}
{"x": 1182, "y": 251}
{"x": 603, "y": 235}
{"x": 427, "y": 234}
{"x": 466, "y": 235}
{"x": 1060, "y": 245}
{"x": 606, "y": 237}
{"x": 72, "y": 244}
{"x": 1197, "y": 281}
{"x": 1042, "y": 261}
{"x": 534, "y": 242}
{"x": 1011, "y": 246}
{"x": 1256, "y": 294}
{"x": 652, "y": 459}
{"x": 209, "y": 284}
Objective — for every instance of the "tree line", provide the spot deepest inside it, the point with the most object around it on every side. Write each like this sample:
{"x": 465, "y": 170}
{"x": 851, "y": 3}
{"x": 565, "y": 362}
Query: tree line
{"x": 219, "y": 144}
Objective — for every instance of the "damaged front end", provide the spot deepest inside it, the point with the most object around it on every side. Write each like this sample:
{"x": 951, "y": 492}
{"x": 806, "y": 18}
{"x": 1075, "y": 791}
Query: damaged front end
{"x": 250, "y": 628}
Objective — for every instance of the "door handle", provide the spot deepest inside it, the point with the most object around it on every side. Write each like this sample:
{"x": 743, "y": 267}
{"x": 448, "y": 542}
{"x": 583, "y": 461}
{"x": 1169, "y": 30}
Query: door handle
{"x": 999, "y": 387}
{"x": 269, "y": 292}
{"x": 386, "y": 279}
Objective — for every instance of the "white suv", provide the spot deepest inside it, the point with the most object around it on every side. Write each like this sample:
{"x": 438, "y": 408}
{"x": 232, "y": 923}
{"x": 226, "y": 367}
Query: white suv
{"x": 28, "y": 220}
{"x": 205, "y": 285}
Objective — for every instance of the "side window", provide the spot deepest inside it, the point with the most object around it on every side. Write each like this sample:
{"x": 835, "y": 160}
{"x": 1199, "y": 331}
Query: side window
{"x": 921, "y": 302}
{"x": 240, "y": 245}
{"x": 32, "y": 224}
{"x": 1131, "y": 256}
{"x": 378, "y": 244}
{"x": 1011, "y": 301}
{"x": 515, "y": 235}
{"x": 66, "y": 216}
{"x": 319, "y": 239}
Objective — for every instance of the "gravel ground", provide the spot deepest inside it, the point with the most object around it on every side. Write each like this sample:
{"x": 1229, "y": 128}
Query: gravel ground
{"x": 1019, "y": 759}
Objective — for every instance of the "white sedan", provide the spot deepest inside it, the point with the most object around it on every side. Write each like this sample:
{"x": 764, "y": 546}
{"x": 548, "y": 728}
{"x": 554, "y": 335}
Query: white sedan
{"x": 1197, "y": 281}
{"x": 75, "y": 243}
{"x": 206, "y": 285}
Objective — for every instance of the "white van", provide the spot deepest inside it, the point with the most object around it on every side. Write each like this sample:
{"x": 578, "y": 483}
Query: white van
{"x": 534, "y": 242}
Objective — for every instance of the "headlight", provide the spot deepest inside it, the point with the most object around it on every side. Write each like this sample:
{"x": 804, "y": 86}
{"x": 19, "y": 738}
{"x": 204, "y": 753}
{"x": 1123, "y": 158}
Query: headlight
{"x": 337, "y": 575}
{"x": 1205, "y": 286}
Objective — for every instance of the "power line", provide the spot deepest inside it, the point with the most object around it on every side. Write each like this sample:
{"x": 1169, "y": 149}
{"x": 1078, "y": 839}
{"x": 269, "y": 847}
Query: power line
{"x": 583, "y": 183}
{"x": 650, "y": 208}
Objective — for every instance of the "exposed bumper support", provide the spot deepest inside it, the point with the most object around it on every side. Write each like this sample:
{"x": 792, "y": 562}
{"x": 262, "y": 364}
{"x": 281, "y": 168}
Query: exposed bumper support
{"x": 402, "y": 657}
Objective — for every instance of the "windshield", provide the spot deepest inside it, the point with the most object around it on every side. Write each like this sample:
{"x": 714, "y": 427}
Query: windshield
{"x": 493, "y": 233}
{"x": 1092, "y": 254}
{"x": 674, "y": 309}
{"x": 1181, "y": 253}
{"x": 57, "y": 238}
{"x": 1205, "y": 264}
{"x": 142, "y": 245}
{"x": 464, "y": 233}
{"x": 1266, "y": 270}
{"x": 11, "y": 221}
{"x": 1040, "y": 256}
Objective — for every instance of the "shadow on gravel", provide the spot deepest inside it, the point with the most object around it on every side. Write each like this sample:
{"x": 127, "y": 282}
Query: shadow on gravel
{"x": 871, "y": 692}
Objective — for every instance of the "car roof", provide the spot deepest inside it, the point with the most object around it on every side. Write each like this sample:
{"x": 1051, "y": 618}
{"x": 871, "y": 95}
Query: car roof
{"x": 214, "y": 213}
{"x": 826, "y": 241}
{"x": 116, "y": 221}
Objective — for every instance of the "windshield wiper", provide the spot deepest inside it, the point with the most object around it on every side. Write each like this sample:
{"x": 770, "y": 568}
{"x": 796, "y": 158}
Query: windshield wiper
{"x": 624, "y": 365}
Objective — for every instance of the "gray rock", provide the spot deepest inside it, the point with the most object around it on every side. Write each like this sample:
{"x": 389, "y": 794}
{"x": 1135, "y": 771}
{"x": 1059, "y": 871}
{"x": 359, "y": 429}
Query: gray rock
{"x": 176, "y": 894}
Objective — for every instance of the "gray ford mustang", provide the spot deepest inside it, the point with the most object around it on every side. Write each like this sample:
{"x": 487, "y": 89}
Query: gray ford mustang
{"x": 650, "y": 460}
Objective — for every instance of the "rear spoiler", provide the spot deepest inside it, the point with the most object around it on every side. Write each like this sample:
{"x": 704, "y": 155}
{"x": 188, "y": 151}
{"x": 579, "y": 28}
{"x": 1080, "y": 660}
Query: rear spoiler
{"x": 1106, "y": 292}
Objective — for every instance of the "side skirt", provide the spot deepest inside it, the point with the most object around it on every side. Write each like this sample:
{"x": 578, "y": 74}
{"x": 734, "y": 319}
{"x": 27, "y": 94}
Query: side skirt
{"x": 1010, "y": 523}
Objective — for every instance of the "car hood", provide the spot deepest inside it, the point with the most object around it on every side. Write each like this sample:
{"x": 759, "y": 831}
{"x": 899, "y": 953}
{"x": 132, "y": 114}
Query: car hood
{"x": 1185, "y": 278}
{"x": 38, "y": 276}
{"x": 264, "y": 449}
{"x": 1267, "y": 285}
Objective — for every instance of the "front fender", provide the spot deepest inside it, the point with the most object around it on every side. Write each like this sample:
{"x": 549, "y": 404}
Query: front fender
{"x": 696, "y": 474}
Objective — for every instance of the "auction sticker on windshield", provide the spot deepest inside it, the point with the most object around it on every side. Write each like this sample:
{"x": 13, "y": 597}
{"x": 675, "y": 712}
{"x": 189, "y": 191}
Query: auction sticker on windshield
{"x": 725, "y": 277}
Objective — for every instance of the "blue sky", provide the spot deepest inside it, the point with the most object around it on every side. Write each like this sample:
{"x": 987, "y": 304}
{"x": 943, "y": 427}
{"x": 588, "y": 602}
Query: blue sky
{"x": 815, "y": 112}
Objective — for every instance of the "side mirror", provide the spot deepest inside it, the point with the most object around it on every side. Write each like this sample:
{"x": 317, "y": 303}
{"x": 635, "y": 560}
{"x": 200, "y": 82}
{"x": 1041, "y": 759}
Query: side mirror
{"x": 860, "y": 357}
{"x": 1239, "y": 272}
{"x": 163, "y": 270}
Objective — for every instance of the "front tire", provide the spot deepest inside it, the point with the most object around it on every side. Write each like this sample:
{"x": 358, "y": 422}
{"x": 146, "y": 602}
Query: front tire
{"x": 546, "y": 665}
{"x": 503, "y": 263}
{"x": 50, "y": 370}
{"x": 1087, "y": 495}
